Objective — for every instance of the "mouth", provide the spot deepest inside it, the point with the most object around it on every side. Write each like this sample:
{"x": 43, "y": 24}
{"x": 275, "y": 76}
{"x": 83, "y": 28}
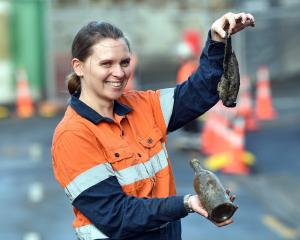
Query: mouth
{"x": 115, "y": 84}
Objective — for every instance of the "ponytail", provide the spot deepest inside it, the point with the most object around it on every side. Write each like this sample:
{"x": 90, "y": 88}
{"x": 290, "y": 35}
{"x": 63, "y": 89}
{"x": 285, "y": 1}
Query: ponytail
{"x": 73, "y": 83}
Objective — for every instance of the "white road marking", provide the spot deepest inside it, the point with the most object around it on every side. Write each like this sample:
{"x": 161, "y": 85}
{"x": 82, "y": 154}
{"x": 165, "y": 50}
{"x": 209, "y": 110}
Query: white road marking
{"x": 35, "y": 192}
{"x": 31, "y": 236}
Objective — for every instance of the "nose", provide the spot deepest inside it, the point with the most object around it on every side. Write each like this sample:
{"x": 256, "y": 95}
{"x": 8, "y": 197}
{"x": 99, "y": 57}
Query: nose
{"x": 118, "y": 71}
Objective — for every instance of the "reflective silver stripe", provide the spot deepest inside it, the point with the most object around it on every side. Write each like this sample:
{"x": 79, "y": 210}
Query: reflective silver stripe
{"x": 167, "y": 103}
{"x": 165, "y": 149}
{"x": 89, "y": 232}
{"x": 87, "y": 179}
{"x": 157, "y": 162}
{"x": 143, "y": 170}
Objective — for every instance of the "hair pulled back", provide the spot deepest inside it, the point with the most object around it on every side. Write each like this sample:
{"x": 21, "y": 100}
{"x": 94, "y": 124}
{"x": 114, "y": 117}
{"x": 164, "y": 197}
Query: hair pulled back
{"x": 83, "y": 42}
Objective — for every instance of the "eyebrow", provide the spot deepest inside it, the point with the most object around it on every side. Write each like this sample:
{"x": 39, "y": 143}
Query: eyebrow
{"x": 112, "y": 60}
{"x": 108, "y": 60}
{"x": 126, "y": 59}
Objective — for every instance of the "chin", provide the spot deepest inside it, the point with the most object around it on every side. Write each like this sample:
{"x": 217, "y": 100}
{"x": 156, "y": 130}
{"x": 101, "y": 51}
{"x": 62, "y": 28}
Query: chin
{"x": 115, "y": 96}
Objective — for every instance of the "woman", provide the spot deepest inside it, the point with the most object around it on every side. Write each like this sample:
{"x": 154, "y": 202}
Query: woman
{"x": 109, "y": 150}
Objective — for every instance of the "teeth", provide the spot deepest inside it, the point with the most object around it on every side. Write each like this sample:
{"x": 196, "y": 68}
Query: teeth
{"x": 115, "y": 84}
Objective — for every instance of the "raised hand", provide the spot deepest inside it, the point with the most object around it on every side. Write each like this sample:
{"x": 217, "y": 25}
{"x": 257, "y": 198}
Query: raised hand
{"x": 232, "y": 23}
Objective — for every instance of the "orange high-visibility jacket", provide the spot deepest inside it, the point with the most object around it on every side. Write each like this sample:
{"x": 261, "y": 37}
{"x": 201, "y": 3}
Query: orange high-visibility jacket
{"x": 117, "y": 172}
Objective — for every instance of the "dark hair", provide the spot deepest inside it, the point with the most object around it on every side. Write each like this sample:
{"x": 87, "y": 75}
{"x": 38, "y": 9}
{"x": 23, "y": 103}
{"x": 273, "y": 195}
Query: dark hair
{"x": 83, "y": 42}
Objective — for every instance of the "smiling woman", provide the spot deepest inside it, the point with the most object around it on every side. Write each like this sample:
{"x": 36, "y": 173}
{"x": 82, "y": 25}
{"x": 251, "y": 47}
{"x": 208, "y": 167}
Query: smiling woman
{"x": 109, "y": 151}
{"x": 102, "y": 75}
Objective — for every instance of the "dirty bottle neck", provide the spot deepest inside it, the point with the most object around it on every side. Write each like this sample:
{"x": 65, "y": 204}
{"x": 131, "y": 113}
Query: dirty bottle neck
{"x": 195, "y": 164}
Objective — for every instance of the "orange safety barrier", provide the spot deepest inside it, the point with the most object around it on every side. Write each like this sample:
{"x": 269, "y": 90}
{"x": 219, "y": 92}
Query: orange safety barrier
{"x": 49, "y": 108}
{"x": 24, "y": 104}
{"x": 264, "y": 107}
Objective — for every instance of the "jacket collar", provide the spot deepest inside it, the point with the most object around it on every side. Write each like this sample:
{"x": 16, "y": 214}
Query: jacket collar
{"x": 90, "y": 114}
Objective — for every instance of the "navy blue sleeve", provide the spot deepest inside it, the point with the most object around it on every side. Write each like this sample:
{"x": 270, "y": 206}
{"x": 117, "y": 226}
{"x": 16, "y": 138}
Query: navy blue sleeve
{"x": 118, "y": 215}
{"x": 199, "y": 93}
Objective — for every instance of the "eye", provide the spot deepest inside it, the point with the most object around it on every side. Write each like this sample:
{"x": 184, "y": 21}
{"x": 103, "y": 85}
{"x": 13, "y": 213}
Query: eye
{"x": 106, "y": 64}
{"x": 125, "y": 62}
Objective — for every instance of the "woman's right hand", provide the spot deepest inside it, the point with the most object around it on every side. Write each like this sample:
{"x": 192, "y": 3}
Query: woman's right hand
{"x": 232, "y": 23}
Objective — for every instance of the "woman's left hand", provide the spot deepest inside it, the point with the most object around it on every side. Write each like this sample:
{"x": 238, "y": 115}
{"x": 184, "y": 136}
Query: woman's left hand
{"x": 232, "y": 23}
{"x": 228, "y": 221}
{"x": 196, "y": 205}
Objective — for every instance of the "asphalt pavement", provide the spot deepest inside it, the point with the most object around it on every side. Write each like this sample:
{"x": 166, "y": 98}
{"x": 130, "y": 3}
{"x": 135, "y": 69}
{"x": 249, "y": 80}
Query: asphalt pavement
{"x": 34, "y": 207}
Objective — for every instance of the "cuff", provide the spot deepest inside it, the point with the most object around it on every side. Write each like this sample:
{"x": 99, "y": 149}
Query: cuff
{"x": 186, "y": 203}
{"x": 176, "y": 208}
{"x": 214, "y": 48}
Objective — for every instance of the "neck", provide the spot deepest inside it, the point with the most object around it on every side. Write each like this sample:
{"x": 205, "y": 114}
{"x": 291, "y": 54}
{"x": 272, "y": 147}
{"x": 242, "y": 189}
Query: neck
{"x": 104, "y": 108}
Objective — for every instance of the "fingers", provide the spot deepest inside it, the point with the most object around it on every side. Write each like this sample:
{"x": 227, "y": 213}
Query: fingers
{"x": 219, "y": 30}
{"x": 231, "y": 197}
{"x": 227, "y": 22}
{"x": 222, "y": 224}
{"x": 244, "y": 18}
{"x": 241, "y": 17}
{"x": 251, "y": 19}
{"x": 201, "y": 211}
{"x": 196, "y": 205}
{"x": 232, "y": 23}
{"x": 231, "y": 19}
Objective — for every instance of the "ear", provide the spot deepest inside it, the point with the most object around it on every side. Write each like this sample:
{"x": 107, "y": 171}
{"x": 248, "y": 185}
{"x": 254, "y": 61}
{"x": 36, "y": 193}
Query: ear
{"x": 77, "y": 66}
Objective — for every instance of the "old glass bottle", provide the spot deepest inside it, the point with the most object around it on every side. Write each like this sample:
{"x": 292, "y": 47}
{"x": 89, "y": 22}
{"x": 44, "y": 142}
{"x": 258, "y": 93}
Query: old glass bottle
{"x": 212, "y": 194}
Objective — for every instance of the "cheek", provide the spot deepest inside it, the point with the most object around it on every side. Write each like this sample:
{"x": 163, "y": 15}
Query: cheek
{"x": 101, "y": 74}
{"x": 128, "y": 71}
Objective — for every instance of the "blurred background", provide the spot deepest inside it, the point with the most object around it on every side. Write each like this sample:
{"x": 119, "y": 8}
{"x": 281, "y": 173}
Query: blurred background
{"x": 253, "y": 148}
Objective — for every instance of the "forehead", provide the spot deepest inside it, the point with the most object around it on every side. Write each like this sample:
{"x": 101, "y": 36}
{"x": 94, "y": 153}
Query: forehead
{"x": 111, "y": 48}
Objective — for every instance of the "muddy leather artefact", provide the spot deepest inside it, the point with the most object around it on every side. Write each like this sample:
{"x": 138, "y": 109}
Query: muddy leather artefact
{"x": 229, "y": 85}
{"x": 212, "y": 194}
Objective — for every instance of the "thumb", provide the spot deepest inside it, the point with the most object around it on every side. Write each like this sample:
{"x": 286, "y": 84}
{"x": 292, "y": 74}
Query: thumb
{"x": 220, "y": 31}
{"x": 196, "y": 205}
{"x": 201, "y": 211}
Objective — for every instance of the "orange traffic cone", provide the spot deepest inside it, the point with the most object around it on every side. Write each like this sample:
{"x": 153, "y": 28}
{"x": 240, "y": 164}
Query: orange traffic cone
{"x": 24, "y": 105}
{"x": 185, "y": 70}
{"x": 236, "y": 163}
{"x": 264, "y": 108}
{"x": 215, "y": 131}
{"x": 209, "y": 132}
{"x": 245, "y": 104}
{"x": 207, "y": 135}
{"x": 221, "y": 127}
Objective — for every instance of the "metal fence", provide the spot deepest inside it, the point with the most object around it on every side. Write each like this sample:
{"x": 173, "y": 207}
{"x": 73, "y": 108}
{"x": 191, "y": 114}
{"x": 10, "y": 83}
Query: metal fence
{"x": 274, "y": 41}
